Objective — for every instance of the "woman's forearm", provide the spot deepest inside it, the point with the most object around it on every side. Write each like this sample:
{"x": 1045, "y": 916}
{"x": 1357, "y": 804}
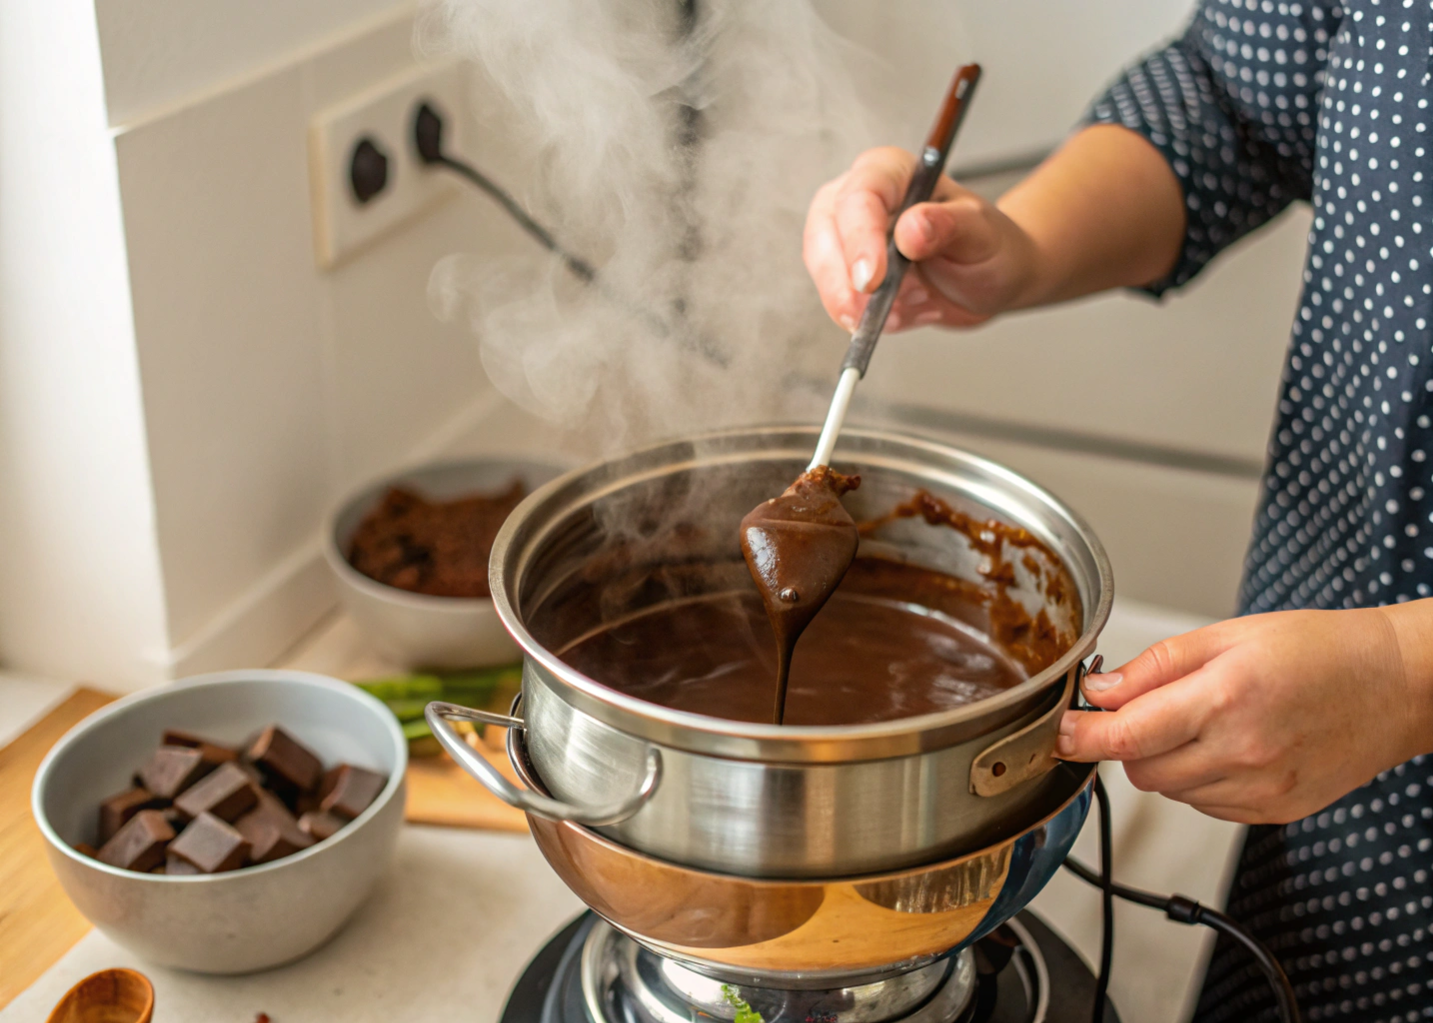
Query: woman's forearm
{"x": 1104, "y": 211}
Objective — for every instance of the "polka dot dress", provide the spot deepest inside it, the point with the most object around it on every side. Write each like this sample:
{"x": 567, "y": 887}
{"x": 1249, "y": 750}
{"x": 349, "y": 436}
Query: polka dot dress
{"x": 1257, "y": 105}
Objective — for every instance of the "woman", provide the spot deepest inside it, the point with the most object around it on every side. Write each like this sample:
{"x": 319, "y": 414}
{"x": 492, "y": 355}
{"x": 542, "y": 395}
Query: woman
{"x": 1308, "y": 717}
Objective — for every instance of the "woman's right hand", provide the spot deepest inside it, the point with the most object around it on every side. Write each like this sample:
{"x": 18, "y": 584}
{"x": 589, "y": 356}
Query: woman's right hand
{"x": 971, "y": 261}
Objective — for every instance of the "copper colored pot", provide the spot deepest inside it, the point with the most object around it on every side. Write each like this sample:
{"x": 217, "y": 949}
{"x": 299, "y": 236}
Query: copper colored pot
{"x": 797, "y": 932}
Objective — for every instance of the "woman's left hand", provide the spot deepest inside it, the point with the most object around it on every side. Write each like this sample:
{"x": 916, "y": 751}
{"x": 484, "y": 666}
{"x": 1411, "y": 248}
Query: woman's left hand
{"x": 1269, "y": 718}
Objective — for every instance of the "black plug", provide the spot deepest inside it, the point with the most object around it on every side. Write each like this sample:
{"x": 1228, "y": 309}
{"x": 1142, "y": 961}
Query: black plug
{"x": 428, "y": 133}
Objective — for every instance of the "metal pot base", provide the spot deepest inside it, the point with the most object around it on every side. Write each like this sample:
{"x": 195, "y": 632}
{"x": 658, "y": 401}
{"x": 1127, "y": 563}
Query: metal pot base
{"x": 1025, "y": 973}
{"x": 622, "y": 980}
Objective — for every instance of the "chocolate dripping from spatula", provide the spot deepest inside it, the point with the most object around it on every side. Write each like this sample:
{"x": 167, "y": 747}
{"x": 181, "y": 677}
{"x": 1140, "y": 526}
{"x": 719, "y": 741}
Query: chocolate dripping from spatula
{"x": 798, "y": 547}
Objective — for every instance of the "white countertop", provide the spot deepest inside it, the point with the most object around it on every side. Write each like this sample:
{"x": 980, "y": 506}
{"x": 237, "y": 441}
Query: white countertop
{"x": 442, "y": 939}
{"x": 450, "y": 928}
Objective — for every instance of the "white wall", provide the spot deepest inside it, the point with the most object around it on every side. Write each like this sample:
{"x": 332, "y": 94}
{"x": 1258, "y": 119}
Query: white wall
{"x": 173, "y": 356}
{"x": 160, "y": 54}
{"x": 80, "y": 590}
{"x": 1043, "y": 61}
{"x": 272, "y": 387}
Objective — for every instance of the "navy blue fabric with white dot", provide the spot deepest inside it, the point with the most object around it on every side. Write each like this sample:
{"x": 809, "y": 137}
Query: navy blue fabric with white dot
{"x": 1258, "y": 105}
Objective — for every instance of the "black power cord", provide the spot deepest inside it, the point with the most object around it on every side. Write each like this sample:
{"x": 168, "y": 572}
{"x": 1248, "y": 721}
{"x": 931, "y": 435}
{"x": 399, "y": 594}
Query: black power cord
{"x": 1107, "y": 903}
{"x": 1179, "y": 908}
{"x": 428, "y": 143}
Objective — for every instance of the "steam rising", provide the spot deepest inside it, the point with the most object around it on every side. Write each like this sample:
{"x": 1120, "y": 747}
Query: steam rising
{"x": 674, "y": 144}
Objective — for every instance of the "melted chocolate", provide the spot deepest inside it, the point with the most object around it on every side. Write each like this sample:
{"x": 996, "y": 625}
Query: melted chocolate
{"x": 798, "y": 547}
{"x": 869, "y": 656}
{"x": 669, "y": 620}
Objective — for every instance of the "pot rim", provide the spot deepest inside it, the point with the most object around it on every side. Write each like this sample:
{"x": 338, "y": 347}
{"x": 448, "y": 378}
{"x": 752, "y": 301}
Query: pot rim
{"x": 767, "y": 742}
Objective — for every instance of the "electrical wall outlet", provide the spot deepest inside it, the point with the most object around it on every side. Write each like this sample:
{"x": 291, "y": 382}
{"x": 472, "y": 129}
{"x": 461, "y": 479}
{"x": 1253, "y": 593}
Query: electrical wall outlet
{"x": 367, "y": 179}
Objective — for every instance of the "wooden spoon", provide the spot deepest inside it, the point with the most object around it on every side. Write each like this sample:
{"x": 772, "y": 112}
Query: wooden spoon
{"x": 110, "y": 996}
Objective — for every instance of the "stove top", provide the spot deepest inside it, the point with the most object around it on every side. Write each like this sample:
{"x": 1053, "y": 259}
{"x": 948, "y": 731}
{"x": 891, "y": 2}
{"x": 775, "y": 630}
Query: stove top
{"x": 589, "y": 972}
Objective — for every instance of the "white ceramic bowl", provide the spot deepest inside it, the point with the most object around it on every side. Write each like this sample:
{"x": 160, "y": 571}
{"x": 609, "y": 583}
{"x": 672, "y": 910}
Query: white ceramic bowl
{"x": 415, "y": 629}
{"x": 242, "y": 920}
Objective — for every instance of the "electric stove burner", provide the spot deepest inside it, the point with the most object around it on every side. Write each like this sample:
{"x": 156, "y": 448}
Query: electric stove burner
{"x": 591, "y": 973}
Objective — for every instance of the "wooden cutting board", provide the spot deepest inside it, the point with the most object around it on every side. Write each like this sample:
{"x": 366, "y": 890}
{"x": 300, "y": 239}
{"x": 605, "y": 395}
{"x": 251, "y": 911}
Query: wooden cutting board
{"x": 441, "y": 792}
{"x": 37, "y": 922}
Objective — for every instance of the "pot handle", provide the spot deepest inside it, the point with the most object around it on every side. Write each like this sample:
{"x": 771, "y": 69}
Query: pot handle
{"x": 439, "y": 714}
{"x": 1029, "y": 752}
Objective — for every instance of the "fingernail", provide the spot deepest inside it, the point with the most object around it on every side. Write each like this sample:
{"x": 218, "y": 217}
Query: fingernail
{"x": 925, "y": 227}
{"x": 1099, "y": 683}
{"x": 1065, "y": 744}
{"x": 861, "y": 272}
{"x": 929, "y": 316}
{"x": 849, "y": 324}
{"x": 917, "y": 296}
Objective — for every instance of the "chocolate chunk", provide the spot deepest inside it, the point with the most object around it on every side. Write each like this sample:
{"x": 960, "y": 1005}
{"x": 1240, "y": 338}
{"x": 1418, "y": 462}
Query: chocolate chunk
{"x": 326, "y": 785}
{"x": 301, "y": 803}
{"x": 211, "y": 845}
{"x": 85, "y": 849}
{"x": 226, "y": 793}
{"x": 140, "y": 844}
{"x": 265, "y": 837}
{"x": 214, "y": 753}
{"x": 179, "y": 737}
{"x": 177, "y": 866}
{"x": 171, "y": 770}
{"x": 271, "y": 830}
{"x": 116, "y": 811}
{"x": 281, "y": 757}
{"x": 321, "y": 824}
{"x": 348, "y": 790}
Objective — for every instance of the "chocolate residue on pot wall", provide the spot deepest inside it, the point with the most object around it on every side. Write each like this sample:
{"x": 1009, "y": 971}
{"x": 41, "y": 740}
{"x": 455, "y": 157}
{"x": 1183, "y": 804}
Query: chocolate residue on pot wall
{"x": 1035, "y": 641}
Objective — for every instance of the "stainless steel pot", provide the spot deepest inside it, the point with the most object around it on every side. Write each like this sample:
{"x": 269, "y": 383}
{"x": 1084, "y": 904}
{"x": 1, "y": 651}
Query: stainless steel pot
{"x": 759, "y": 800}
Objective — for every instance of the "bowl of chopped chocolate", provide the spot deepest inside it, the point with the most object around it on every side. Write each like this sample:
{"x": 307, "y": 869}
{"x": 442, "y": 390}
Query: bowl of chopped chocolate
{"x": 410, "y": 555}
{"x": 225, "y": 823}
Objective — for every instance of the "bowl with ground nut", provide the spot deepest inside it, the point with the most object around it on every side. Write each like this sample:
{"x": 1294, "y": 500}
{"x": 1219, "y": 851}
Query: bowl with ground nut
{"x": 409, "y": 554}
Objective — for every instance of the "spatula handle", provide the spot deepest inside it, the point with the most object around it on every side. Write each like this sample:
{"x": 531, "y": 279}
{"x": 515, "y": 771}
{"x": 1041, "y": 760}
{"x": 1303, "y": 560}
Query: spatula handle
{"x": 922, "y": 184}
